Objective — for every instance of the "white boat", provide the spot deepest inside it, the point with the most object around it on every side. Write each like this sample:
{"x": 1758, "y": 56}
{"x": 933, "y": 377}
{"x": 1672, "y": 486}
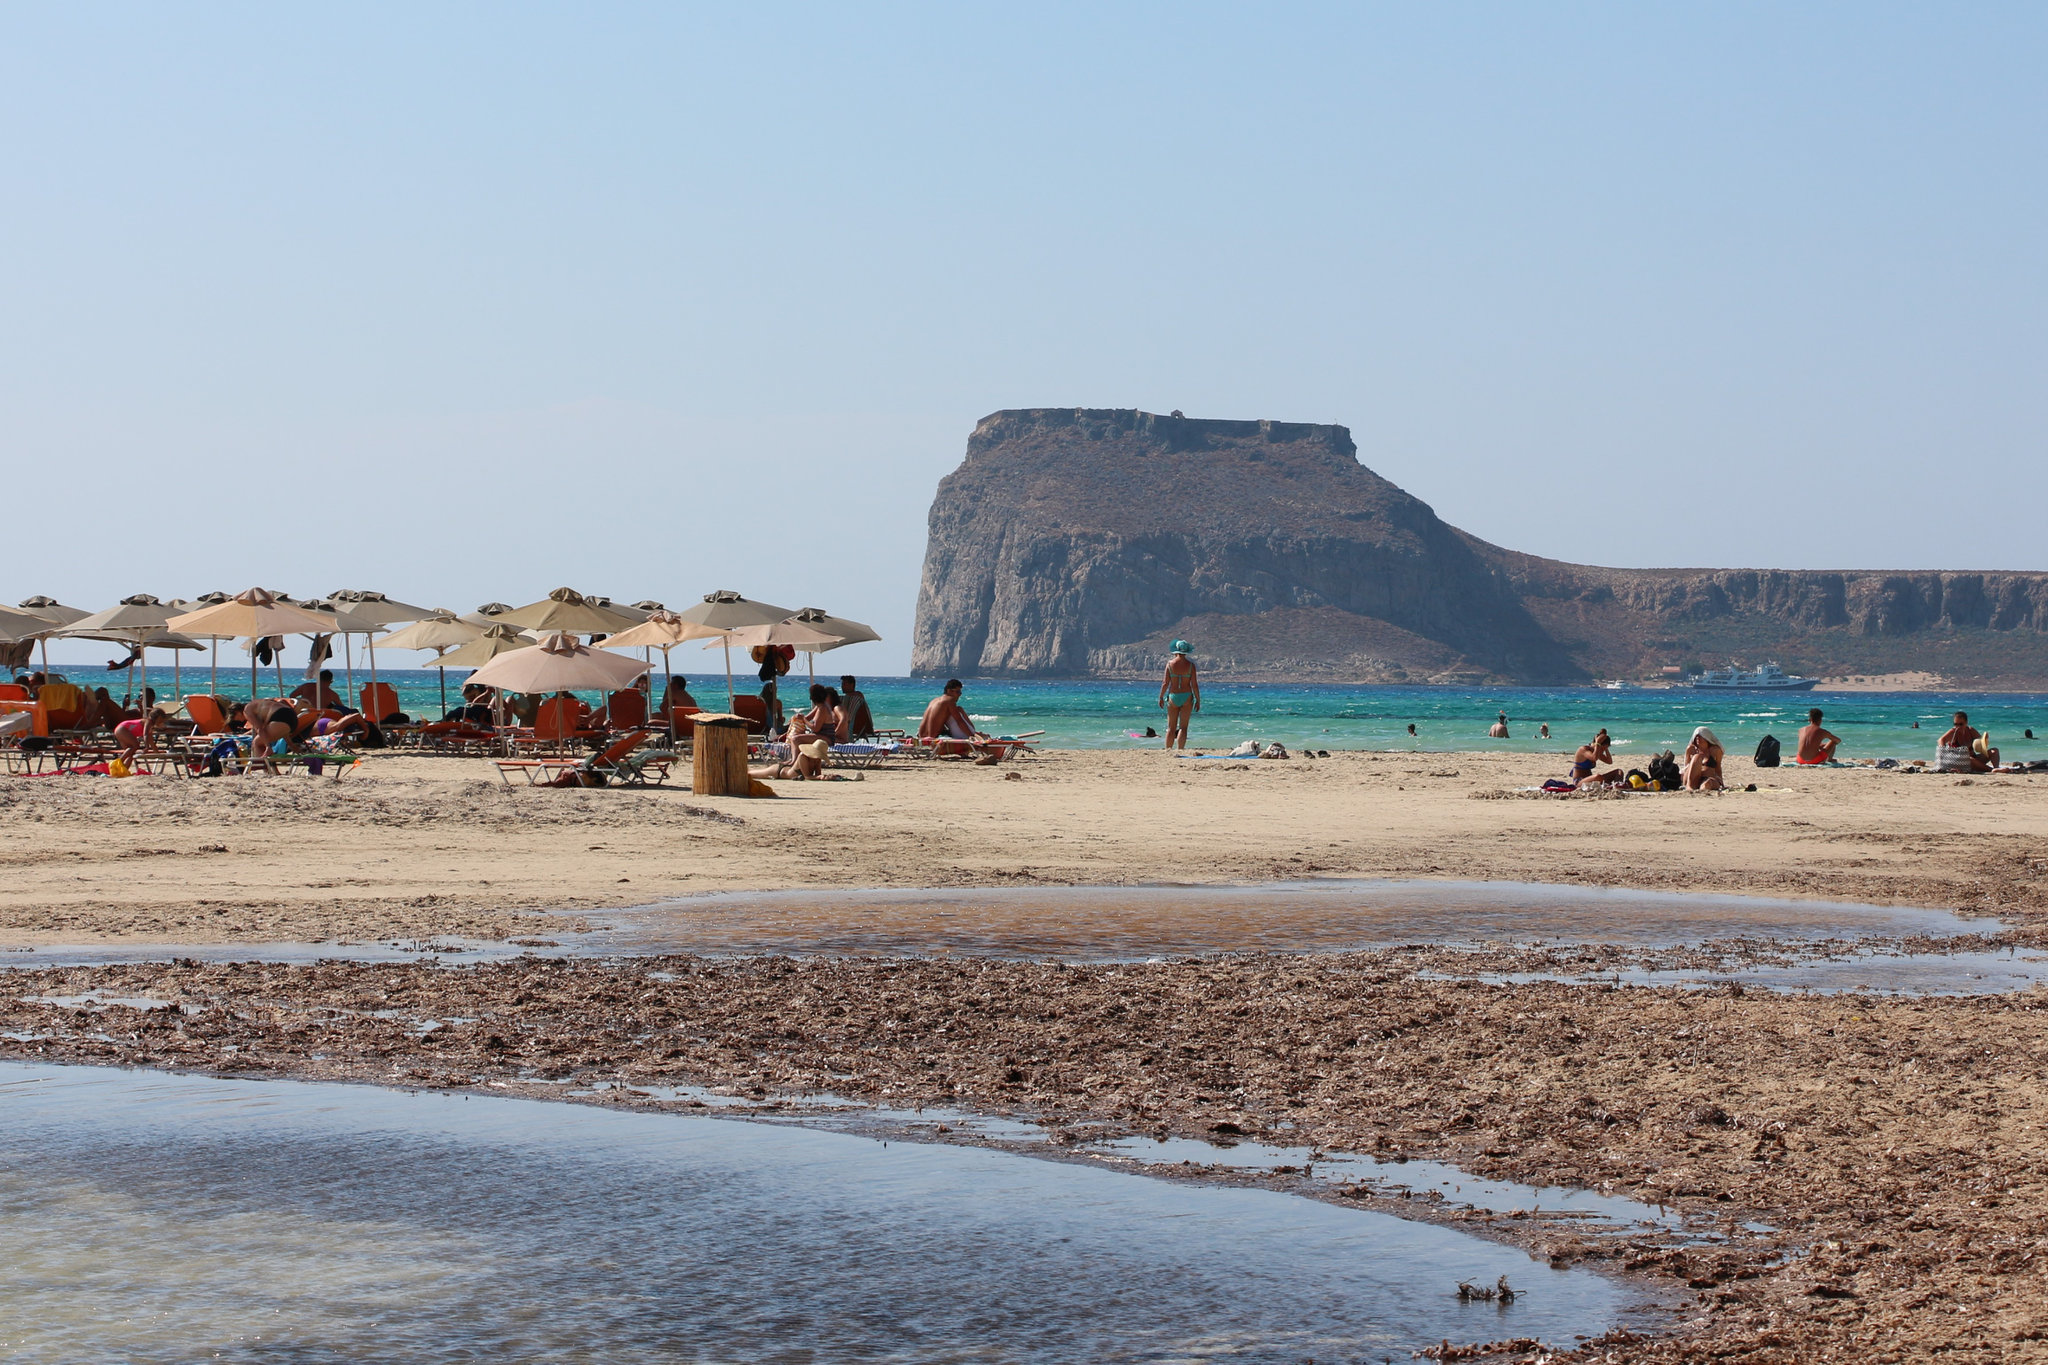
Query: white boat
{"x": 1620, "y": 685}
{"x": 1769, "y": 678}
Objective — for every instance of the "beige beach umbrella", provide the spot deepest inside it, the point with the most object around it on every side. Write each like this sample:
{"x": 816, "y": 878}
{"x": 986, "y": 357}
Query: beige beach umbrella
{"x": 251, "y": 615}
{"x": 776, "y": 634}
{"x": 728, "y": 611}
{"x": 566, "y": 611}
{"x": 16, "y": 626}
{"x": 133, "y": 621}
{"x": 559, "y": 663}
{"x": 488, "y": 645}
{"x": 489, "y": 614}
{"x": 49, "y": 609}
{"x": 663, "y": 630}
{"x": 439, "y": 631}
{"x": 849, "y": 632}
{"x": 378, "y": 610}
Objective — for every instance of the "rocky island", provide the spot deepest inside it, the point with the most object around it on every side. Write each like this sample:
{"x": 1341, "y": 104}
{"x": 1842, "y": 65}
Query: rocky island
{"x": 1080, "y": 541}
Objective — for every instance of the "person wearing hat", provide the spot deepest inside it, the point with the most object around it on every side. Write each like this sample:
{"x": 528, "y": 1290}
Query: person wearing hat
{"x": 1180, "y": 692}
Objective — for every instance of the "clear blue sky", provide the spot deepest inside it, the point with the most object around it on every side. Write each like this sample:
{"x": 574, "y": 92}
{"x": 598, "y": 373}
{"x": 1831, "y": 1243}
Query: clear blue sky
{"x": 651, "y": 300}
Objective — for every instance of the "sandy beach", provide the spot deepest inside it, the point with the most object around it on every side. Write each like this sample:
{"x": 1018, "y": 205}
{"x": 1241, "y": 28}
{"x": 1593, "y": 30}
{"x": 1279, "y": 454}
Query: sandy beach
{"x": 1882, "y": 1149}
{"x": 421, "y": 846}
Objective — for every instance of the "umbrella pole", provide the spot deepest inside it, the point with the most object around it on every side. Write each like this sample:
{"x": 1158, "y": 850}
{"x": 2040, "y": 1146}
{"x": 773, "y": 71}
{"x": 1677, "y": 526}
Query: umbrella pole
{"x": 371, "y": 646}
{"x": 668, "y": 688}
{"x": 213, "y": 687}
{"x": 178, "y": 677}
{"x": 728, "y": 675}
{"x": 811, "y": 658}
{"x": 348, "y": 651}
{"x": 252, "y": 668}
{"x": 444, "y": 683}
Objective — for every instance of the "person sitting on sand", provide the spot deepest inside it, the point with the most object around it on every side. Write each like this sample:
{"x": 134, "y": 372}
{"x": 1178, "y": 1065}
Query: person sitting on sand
{"x": 1702, "y": 769}
{"x": 1180, "y": 694}
{"x": 1816, "y": 746}
{"x": 1500, "y": 728}
{"x": 1963, "y": 750}
{"x": 860, "y": 721}
{"x": 320, "y": 696}
{"x": 1591, "y": 754}
{"x": 806, "y": 763}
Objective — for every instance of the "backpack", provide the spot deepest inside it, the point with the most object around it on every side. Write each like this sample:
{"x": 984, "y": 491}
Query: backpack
{"x": 1664, "y": 772}
{"x": 1767, "y": 752}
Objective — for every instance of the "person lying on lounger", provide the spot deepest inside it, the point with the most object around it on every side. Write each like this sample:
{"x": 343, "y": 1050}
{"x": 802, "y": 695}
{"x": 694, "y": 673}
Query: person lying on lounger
{"x": 1968, "y": 751}
{"x": 1816, "y": 745}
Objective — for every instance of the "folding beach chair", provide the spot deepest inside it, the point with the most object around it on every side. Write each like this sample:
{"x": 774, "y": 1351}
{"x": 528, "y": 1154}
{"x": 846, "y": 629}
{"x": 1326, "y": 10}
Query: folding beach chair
{"x": 625, "y": 710}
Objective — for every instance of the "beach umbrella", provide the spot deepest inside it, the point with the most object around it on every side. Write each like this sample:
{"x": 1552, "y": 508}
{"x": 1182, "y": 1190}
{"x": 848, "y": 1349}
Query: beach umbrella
{"x": 56, "y": 613}
{"x": 254, "y": 614}
{"x": 664, "y": 630}
{"x": 566, "y": 611}
{"x": 180, "y": 605}
{"x": 132, "y": 622}
{"x": 777, "y": 634}
{"x": 378, "y": 610}
{"x": 849, "y": 632}
{"x": 439, "y": 631}
{"x": 493, "y": 641}
{"x": 558, "y": 663}
{"x": 489, "y": 614}
{"x": 726, "y": 611}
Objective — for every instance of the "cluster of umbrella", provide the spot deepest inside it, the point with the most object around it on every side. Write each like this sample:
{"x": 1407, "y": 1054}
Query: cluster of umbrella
{"x": 516, "y": 649}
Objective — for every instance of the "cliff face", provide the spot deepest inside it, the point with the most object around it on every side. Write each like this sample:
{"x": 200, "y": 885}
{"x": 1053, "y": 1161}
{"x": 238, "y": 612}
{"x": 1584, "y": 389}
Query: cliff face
{"x": 1080, "y": 541}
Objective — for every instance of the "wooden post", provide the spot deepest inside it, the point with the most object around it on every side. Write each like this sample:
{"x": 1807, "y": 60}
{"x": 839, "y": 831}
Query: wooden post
{"x": 720, "y": 762}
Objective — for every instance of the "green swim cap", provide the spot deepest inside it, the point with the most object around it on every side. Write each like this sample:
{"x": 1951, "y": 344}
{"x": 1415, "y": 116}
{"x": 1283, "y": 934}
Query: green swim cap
{"x": 1182, "y": 647}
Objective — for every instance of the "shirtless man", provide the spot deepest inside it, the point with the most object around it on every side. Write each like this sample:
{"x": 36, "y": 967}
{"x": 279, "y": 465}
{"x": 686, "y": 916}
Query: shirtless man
{"x": 860, "y": 721}
{"x": 1816, "y": 745}
{"x": 1590, "y": 755}
{"x": 1500, "y": 728}
{"x": 1180, "y": 693}
{"x": 320, "y": 696}
{"x": 946, "y": 719}
{"x": 1963, "y": 736}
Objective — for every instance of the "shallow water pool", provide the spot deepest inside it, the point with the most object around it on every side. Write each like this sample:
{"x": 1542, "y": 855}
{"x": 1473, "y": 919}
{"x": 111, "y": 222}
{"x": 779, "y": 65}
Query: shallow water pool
{"x": 159, "y": 1217}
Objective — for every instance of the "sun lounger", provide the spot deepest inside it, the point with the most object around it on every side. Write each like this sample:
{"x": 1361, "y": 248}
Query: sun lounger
{"x": 615, "y": 763}
{"x": 865, "y": 753}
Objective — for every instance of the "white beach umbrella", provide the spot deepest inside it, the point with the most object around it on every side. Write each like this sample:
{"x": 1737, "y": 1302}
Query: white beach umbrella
{"x": 378, "y": 610}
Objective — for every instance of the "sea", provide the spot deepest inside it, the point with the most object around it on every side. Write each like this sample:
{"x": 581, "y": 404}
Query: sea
{"x": 1095, "y": 714}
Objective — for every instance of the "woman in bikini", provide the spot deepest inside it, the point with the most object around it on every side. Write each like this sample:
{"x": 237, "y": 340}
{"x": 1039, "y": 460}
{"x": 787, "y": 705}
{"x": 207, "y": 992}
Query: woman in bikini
{"x": 1180, "y": 692}
{"x": 1589, "y": 756}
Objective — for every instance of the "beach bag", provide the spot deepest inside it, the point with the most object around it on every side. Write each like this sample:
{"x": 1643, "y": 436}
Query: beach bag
{"x": 1664, "y": 773}
{"x": 1767, "y": 752}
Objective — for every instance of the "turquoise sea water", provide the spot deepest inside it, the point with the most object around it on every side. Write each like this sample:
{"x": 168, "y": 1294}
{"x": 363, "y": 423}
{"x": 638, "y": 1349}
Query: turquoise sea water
{"x": 1103, "y": 715}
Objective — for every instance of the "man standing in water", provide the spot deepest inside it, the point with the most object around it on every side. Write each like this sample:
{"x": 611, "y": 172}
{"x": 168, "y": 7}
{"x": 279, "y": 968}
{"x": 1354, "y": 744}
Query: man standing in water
{"x": 1500, "y": 728}
{"x": 1180, "y": 692}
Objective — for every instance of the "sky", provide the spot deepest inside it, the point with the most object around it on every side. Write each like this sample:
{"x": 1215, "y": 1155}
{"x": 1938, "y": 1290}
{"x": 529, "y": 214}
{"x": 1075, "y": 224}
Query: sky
{"x": 468, "y": 302}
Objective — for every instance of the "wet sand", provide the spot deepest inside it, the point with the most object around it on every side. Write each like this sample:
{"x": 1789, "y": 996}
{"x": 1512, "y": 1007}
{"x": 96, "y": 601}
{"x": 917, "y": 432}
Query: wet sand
{"x": 1892, "y": 1144}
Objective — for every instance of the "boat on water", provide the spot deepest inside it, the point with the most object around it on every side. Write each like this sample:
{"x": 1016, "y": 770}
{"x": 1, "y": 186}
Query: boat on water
{"x": 1769, "y": 678}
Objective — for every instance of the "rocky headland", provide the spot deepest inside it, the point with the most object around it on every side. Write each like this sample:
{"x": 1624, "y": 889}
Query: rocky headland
{"x": 1080, "y": 541}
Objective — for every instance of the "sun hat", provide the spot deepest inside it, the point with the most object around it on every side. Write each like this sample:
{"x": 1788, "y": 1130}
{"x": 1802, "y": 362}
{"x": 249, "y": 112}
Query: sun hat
{"x": 1182, "y": 647}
